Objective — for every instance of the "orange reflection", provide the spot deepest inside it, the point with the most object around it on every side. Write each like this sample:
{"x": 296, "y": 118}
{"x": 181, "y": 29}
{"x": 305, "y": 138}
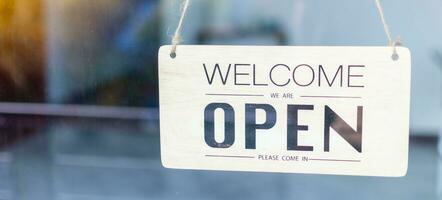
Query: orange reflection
{"x": 22, "y": 51}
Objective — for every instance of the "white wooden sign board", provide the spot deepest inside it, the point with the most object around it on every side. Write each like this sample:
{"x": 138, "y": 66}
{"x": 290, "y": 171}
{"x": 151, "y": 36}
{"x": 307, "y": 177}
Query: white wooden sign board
{"x": 322, "y": 110}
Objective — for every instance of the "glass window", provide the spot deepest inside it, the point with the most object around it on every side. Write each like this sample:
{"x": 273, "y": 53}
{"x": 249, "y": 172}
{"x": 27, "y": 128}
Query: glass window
{"x": 79, "y": 95}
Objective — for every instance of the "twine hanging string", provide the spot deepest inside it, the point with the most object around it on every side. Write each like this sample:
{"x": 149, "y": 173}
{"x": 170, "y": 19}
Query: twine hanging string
{"x": 392, "y": 43}
{"x": 176, "y": 39}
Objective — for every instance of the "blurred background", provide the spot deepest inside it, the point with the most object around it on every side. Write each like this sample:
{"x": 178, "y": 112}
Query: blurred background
{"x": 79, "y": 95}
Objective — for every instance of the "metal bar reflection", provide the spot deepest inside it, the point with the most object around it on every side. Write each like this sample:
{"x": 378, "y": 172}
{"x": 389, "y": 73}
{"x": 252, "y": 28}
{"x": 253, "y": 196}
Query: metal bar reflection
{"x": 92, "y": 111}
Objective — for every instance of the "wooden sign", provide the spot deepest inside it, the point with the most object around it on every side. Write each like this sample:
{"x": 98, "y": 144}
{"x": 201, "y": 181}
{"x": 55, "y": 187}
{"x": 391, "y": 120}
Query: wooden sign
{"x": 322, "y": 110}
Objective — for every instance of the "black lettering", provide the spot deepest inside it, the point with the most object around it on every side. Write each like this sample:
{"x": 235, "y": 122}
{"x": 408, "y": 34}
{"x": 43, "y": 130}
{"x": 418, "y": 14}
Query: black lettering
{"x": 322, "y": 71}
{"x": 251, "y": 125}
{"x": 236, "y": 73}
{"x": 351, "y": 75}
{"x": 333, "y": 120}
{"x": 217, "y": 68}
{"x": 313, "y": 75}
{"x": 254, "y": 78}
{"x": 293, "y": 127}
{"x": 271, "y": 77}
{"x": 229, "y": 125}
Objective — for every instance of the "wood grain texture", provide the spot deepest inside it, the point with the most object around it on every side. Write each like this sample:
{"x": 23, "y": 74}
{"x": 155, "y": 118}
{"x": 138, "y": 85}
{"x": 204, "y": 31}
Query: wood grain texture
{"x": 346, "y": 80}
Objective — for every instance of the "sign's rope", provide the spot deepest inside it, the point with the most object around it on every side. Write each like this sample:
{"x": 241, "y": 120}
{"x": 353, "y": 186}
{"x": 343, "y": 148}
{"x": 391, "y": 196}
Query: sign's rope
{"x": 392, "y": 43}
{"x": 176, "y": 39}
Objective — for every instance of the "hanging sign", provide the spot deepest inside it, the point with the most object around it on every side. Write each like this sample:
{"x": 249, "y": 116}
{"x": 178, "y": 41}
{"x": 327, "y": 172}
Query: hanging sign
{"x": 322, "y": 110}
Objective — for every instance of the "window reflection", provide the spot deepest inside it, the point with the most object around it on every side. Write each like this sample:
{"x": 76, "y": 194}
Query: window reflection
{"x": 78, "y": 95}
{"x": 22, "y": 51}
